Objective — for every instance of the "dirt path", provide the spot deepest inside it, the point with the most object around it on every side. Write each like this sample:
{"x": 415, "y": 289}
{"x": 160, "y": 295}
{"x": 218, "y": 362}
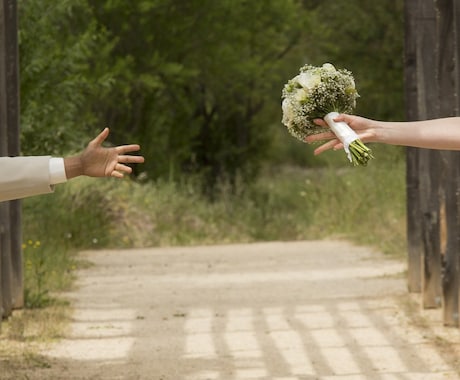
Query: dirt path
{"x": 281, "y": 311}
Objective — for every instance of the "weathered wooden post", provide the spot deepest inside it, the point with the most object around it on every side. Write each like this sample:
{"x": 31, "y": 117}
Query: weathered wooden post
{"x": 433, "y": 184}
{"x": 447, "y": 75}
{"x": 4, "y": 207}
{"x": 414, "y": 231}
{"x": 450, "y": 283}
{"x": 12, "y": 88}
{"x": 456, "y": 162}
{"x": 11, "y": 287}
{"x": 424, "y": 205}
{"x": 430, "y": 189}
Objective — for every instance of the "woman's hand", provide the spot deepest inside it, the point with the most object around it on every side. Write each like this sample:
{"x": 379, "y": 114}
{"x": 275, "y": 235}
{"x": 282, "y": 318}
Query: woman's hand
{"x": 364, "y": 128}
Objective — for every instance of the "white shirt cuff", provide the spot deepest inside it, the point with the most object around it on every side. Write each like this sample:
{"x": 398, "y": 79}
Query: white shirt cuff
{"x": 57, "y": 170}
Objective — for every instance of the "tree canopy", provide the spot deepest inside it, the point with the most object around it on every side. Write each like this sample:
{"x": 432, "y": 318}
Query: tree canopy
{"x": 197, "y": 83}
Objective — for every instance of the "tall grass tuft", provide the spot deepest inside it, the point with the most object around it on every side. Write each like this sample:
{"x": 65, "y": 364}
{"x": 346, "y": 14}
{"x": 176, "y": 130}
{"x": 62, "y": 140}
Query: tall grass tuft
{"x": 365, "y": 205}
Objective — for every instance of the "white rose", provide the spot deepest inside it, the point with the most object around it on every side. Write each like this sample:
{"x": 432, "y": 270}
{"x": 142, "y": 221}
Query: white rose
{"x": 329, "y": 67}
{"x": 352, "y": 83}
{"x": 309, "y": 80}
{"x": 288, "y": 111}
{"x": 301, "y": 95}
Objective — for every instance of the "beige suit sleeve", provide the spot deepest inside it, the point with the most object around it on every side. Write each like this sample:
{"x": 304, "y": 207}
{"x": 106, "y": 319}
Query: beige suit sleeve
{"x": 22, "y": 177}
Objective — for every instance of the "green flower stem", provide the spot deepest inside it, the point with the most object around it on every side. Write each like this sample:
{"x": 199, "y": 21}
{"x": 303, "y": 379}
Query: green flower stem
{"x": 360, "y": 153}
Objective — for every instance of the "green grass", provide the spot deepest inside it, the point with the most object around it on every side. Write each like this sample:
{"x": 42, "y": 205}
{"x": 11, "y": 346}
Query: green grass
{"x": 364, "y": 205}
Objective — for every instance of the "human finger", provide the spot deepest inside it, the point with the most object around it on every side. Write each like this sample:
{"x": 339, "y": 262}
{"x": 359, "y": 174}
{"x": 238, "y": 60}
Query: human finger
{"x": 120, "y": 170}
{"x": 100, "y": 138}
{"x": 122, "y": 149}
{"x": 123, "y": 168}
{"x": 326, "y": 146}
{"x": 129, "y": 159}
{"x": 345, "y": 118}
{"x": 338, "y": 146}
{"x": 116, "y": 174}
{"x": 320, "y": 122}
{"x": 320, "y": 136}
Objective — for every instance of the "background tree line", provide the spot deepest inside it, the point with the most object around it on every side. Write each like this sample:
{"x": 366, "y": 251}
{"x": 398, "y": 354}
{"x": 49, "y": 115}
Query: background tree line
{"x": 197, "y": 83}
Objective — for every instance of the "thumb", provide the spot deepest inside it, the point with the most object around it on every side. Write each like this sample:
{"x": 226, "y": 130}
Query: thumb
{"x": 99, "y": 139}
{"x": 345, "y": 118}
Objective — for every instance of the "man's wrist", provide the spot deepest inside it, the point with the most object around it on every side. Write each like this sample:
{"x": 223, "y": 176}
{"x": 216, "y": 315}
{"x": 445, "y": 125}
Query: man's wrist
{"x": 73, "y": 167}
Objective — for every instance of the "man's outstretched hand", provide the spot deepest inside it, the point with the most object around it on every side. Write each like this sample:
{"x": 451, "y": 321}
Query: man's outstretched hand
{"x": 99, "y": 161}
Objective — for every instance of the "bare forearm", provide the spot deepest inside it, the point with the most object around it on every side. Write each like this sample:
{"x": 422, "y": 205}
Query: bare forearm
{"x": 432, "y": 134}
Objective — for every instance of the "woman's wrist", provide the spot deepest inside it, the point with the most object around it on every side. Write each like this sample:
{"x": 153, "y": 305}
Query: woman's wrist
{"x": 383, "y": 131}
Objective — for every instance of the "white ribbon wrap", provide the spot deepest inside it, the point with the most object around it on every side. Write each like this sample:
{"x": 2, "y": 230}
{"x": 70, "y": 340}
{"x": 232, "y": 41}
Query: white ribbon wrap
{"x": 343, "y": 132}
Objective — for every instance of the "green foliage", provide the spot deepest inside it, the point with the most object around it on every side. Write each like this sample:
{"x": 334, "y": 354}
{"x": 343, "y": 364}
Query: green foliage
{"x": 63, "y": 60}
{"x": 54, "y": 228}
{"x": 36, "y": 294}
{"x": 367, "y": 38}
{"x": 196, "y": 88}
{"x": 48, "y": 267}
{"x": 78, "y": 212}
{"x": 198, "y": 82}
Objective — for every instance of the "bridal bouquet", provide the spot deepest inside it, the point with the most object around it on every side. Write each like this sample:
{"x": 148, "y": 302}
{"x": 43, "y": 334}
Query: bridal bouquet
{"x": 323, "y": 92}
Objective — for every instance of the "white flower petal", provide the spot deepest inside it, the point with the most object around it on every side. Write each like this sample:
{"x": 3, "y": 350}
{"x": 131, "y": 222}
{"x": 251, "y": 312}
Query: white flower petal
{"x": 329, "y": 67}
{"x": 301, "y": 95}
{"x": 309, "y": 80}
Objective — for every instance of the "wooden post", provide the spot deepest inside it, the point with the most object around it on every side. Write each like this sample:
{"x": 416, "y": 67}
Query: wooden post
{"x": 11, "y": 287}
{"x": 455, "y": 234}
{"x": 450, "y": 282}
{"x": 5, "y": 251}
{"x": 5, "y": 281}
{"x": 414, "y": 232}
{"x": 12, "y": 88}
{"x": 430, "y": 189}
{"x": 448, "y": 106}
{"x": 428, "y": 160}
